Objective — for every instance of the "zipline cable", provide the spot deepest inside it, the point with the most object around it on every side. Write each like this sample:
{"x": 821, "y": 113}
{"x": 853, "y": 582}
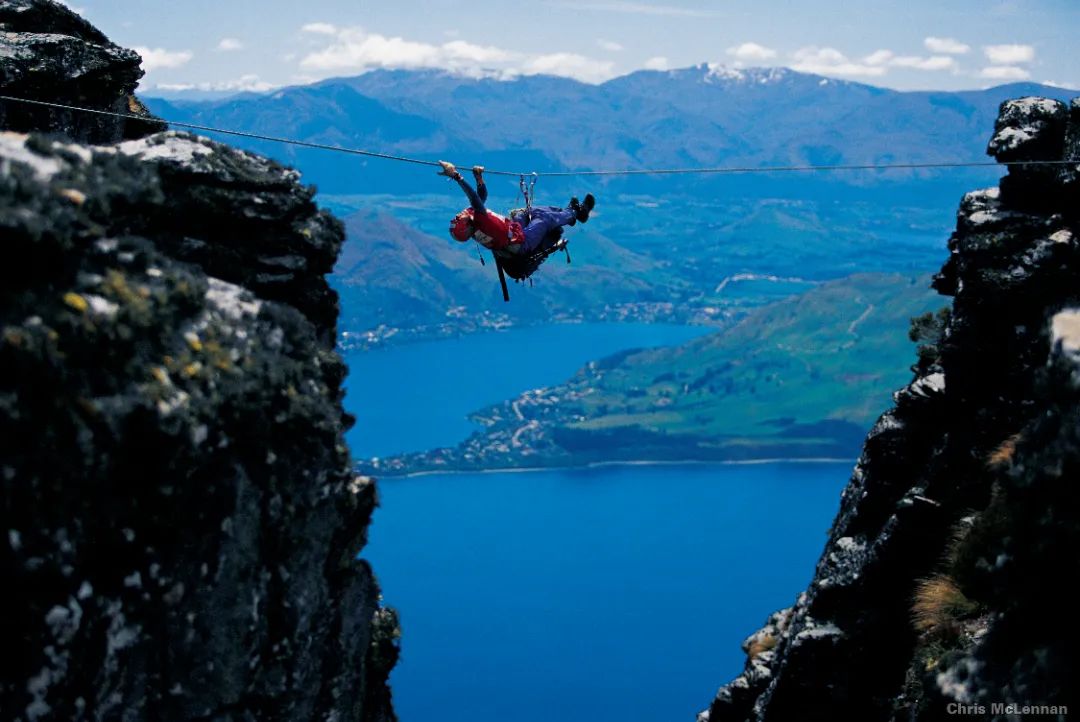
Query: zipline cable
{"x": 237, "y": 133}
{"x": 553, "y": 174}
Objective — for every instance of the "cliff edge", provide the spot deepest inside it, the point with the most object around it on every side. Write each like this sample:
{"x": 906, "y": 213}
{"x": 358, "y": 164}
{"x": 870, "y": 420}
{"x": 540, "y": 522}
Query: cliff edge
{"x": 180, "y": 522}
{"x": 939, "y": 589}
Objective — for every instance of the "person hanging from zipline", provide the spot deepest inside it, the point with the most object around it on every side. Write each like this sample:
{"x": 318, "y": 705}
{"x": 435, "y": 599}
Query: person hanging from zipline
{"x": 524, "y": 232}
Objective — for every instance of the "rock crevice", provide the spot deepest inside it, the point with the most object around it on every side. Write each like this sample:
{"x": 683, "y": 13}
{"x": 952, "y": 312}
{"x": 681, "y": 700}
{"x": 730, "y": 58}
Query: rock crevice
{"x": 934, "y": 586}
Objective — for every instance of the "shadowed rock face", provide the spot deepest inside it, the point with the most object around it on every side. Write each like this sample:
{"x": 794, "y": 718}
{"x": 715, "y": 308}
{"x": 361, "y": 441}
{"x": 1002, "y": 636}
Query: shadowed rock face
{"x": 179, "y": 518}
{"x": 970, "y": 478}
{"x": 49, "y": 53}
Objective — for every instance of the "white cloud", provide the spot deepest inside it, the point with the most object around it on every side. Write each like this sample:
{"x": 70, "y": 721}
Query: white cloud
{"x": 935, "y": 62}
{"x": 355, "y": 50}
{"x": 657, "y": 63}
{"x": 460, "y": 50}
{"x": 229, "y": 44}
{"x": 751, "y": 52}
{"x": 157, "y": 58}
{"x": 830, "y": 61}
{"x": 1005, "y": 72}
{"x": 946, "y": 46}
{"x": 879, "y": 57}
{"x": 876, "y": 64}
{"x": 639, "y": 8}
{"x": 319, "y": 29}
{"x": 246, "y": 83}
{"x": 609, "y": 45}
{"x": 1009, "y": 54}
{"x": 571, "y": 65}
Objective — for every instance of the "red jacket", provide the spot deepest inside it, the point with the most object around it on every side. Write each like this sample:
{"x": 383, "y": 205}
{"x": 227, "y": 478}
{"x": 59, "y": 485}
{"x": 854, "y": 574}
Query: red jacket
{"x": 496, "y": 232}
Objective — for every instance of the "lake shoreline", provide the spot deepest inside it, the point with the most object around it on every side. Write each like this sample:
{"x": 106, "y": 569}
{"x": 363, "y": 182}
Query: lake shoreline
{"x": 445, "y": 370}
{"x": 616, "y": 464}
{"x": 384, "y": 338}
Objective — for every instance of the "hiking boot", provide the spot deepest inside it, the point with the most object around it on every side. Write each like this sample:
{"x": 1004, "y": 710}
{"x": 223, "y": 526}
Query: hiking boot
{"x": 584, "y": 209}
{"x": 575, "y": 206}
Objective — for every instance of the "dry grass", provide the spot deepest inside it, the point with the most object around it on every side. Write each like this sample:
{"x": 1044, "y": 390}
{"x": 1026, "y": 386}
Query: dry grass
{"x": 958, "y": 537}
{"x": 762, "y": 644}
{"x": 939, "y": 604}
{"x": 1002, "y": 456}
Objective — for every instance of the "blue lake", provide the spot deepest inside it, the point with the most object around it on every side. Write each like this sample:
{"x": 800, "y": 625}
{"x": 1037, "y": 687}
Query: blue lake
{"x": 570, "y": 595}
{"x": 604, "y": 594}
{"x": 417, "y": 396}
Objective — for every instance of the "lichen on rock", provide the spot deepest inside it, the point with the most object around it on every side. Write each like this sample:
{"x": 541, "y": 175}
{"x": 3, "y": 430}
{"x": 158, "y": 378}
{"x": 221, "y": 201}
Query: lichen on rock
{"x": 49, "y": 53}
{"x": 180, "y": 519}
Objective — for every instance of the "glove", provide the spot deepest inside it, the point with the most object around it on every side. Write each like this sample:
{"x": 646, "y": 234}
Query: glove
{"x": 448, "y": 170}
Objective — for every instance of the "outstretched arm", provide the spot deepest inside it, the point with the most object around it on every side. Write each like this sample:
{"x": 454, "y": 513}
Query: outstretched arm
{"x": 475, "y": 200}
{"x": 481, "y": 186}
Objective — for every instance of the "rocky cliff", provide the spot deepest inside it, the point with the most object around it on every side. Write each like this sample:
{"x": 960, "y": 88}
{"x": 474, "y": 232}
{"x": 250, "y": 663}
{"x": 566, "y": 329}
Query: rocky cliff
{"x": 50, "y": 54}
{"x": 180, "y": 521}
{"x": 940, "y": 587}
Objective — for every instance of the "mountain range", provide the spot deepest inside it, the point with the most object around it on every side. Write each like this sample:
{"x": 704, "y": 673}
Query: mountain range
{"x": 680, "y": 248}
{"x": 693, "y": 117}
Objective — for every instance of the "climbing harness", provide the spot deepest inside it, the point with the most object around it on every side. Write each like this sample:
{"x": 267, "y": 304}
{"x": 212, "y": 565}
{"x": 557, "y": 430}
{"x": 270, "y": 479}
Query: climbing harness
{"x": 527, "y": 191}
{"x": 522, "y": 266}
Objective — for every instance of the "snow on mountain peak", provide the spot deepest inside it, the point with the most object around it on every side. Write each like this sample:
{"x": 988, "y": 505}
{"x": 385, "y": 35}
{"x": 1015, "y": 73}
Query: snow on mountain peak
{"x": 718, "y": 72}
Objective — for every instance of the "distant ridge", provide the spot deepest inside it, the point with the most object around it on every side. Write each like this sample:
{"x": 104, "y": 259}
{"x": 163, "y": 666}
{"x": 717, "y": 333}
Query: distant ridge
{"x": 705, "y": 115}
{"x": 707, "y": 72}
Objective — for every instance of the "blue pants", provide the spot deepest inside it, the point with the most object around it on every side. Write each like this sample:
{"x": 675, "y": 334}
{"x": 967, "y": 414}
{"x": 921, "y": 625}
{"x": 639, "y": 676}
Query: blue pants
{"x": 545, "y": 219}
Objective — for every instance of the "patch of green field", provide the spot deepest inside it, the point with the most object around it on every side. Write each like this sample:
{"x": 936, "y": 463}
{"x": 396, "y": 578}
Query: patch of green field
{"x": 803, "y": 370}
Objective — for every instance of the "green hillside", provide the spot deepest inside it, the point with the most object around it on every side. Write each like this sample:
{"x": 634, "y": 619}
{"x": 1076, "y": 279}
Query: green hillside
{"x": 640, "y": 259}
{"x": 803, "y": 377}
{"x": 813, "y": 358}
{"x": 401, "y": 277}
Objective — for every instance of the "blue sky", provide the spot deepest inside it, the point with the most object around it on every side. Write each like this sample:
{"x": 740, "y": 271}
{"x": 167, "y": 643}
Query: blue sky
{"x": 911, "y": 44}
